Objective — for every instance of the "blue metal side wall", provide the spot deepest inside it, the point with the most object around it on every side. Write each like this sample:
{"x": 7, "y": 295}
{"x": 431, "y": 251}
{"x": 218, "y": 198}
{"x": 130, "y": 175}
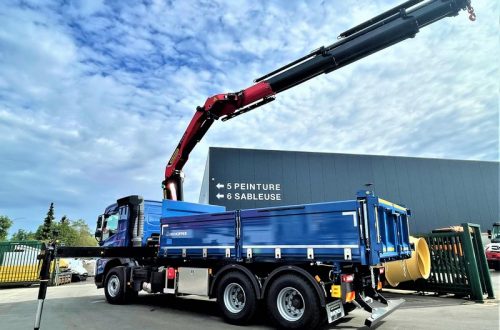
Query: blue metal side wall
{"x": 152, "y": 215}
{"x": 179, "y": 208}
{"x": 388, "y": 230}
{"x": 214, "y": 232}
{"x": 364, "y": 231}
{"x": 184, "y": 230}
{"x": 328, "y": 228}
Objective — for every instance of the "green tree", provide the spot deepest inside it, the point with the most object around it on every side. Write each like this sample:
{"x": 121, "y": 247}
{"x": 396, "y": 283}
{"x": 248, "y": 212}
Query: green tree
{"x": 23, "y": 235}
{"x": 5, "y": 224}
{"x": 66, "y": 234}
{"x": 84, "y": 237}
{"x": 64, "y": 219}
{"x": 66, "y": 231}
{"x": 46, "y": 231}
{"x": 71, "y": 233}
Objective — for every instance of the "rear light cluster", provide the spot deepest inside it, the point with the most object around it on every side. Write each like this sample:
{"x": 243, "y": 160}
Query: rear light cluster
{"x": 345, "y": 289}
{"x": 347, "y": 278}
{"x": 350, "y": 296}
{"x": 381, "y": 272}
{"x": 170, "y": 273}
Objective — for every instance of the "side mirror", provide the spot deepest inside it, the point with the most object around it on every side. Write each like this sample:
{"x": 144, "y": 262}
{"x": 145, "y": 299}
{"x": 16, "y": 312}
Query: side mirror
{"x": 98, "y": 229}
{"x": 489, "y": 234}
{"x": 99, "y": 222}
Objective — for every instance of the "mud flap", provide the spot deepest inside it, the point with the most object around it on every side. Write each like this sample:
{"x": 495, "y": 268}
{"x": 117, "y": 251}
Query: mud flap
{"x": 334, "y": 311}
{"x": 378, "y": 313}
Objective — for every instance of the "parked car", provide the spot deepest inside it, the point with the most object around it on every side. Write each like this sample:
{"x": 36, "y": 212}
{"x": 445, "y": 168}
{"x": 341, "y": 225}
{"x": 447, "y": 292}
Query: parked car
{"x": 493, "y": 255}
{"x": 78, "y": 272}
{"x": 493, "y": 249}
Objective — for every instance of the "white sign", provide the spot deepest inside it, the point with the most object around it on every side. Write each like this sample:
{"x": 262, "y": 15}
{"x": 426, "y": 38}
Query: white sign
{"x": 249, "y": 191}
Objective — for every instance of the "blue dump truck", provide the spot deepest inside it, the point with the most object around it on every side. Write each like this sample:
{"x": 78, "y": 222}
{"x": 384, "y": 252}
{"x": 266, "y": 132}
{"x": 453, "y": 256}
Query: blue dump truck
{"x": 306, "y": 263}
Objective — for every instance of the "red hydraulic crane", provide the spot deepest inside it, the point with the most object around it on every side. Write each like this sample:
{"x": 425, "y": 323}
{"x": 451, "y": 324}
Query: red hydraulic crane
{"x": 384, "y": 30}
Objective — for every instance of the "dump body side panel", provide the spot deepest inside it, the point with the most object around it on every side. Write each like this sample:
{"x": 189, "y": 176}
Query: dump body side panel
{"x": 325, "y": 231}
{"x": 152, "y": 215}
{"x": 366, "y": 231}
{"x": 192, "y": 235}
{"x": 171, "y": 208}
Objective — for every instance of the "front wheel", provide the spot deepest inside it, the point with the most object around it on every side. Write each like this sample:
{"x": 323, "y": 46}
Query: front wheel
{"x": 114, "y": 287}
{"x": 292, "y": 303}
{"x": 236, "y": 298}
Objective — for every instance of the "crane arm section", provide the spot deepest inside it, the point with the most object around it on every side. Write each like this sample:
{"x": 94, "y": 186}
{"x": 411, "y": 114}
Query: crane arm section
{"x": 391, "y": 27}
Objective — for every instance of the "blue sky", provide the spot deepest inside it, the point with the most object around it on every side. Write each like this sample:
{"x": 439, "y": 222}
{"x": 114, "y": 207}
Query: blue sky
{"x": 95, "y": 95}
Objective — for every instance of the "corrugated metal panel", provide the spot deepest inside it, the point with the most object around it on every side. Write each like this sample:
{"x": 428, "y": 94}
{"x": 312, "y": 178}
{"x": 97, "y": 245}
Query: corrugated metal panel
{"x": 440, "y": 192}
{"x": 19, "y": 263}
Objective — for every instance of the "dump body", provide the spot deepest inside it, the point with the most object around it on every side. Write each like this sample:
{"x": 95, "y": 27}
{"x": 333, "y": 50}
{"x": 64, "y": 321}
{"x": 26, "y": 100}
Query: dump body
{"x": 365, "y": 231}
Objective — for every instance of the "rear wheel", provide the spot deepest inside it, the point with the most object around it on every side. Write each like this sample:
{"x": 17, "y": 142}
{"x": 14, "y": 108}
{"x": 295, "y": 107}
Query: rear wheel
{"x": 292, "y": 303}
{"x": 114, "y": 287}
{"x": 236, "y": 298}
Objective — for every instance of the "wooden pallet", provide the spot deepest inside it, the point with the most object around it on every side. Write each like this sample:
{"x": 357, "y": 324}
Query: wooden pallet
{"x": 63, "y": 278}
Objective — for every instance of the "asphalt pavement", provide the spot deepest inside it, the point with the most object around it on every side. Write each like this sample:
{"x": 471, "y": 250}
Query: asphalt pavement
{"x": 82, "y": 306}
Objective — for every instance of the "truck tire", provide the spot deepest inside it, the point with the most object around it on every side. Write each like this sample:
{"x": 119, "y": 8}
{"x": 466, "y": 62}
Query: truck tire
{"x": 114, "y": 287}
{"x": 236, "y": 298}
{"x": 292, "y": 303}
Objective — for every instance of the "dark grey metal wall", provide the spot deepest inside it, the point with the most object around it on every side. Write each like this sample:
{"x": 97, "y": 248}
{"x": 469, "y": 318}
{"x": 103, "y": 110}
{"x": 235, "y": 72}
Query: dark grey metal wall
{"x": 440, "y": 192}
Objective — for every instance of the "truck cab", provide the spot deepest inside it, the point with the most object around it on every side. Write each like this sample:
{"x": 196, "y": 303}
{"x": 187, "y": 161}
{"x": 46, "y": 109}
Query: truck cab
{"x": 131, "y": 221}
{"x": 135, "y": 222}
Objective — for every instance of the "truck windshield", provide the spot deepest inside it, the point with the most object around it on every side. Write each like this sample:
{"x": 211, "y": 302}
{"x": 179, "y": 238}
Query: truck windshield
{"x": 495, "y": 233}
{"x": 112, "y": 222}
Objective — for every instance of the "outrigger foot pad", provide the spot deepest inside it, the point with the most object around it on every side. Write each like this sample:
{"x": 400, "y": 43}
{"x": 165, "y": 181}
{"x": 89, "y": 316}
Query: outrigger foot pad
{"x": 378, "y": 313}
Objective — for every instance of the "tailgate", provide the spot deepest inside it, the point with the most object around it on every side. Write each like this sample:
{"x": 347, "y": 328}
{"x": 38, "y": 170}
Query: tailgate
{"x": 386, "y": 229}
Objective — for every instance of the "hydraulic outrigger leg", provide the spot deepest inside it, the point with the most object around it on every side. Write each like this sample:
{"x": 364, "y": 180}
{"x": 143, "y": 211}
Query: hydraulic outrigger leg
{"x": 52, "y": 249}
{"x": 47, "y": 256}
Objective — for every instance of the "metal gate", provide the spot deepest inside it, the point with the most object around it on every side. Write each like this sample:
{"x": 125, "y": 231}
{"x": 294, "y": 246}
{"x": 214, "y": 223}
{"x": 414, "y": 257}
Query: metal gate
{"x": 458, "y": 264}
{"x": 18, "y": 262}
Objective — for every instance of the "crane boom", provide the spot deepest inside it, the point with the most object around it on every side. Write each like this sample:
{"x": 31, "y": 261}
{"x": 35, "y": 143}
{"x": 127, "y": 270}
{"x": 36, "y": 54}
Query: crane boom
{"x": 395, "y": 25}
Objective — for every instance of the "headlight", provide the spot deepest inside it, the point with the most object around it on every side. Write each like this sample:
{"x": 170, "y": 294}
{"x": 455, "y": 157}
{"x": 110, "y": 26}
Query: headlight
{"x": 488, "y": 247}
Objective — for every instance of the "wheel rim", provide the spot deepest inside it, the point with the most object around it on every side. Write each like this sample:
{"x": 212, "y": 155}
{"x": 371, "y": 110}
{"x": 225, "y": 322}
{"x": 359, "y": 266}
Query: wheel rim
{"x": 234, "y": 298}
{"x": 290, "y": 304}
{"x": 113, "y": 286}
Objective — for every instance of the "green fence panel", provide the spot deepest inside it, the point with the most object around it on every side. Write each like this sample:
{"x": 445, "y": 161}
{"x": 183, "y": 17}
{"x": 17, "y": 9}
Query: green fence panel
{"x": 458, "y": 264}
{"x": 482, "y": 263}
{"x": 448, "y": 271}
{"x": 18, "y": 262}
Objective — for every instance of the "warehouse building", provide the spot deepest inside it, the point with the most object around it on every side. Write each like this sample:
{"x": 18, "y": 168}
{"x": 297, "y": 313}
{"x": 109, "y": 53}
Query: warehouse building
{"x": 440, "y": 192}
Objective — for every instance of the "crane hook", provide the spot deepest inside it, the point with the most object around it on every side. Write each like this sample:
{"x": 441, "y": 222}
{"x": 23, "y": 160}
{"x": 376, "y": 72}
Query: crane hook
{"x": 472, "y": 14}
